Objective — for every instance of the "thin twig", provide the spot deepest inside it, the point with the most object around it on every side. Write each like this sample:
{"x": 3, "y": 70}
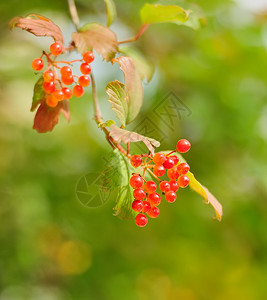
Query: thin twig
{"x": 137, "y": 36}
{"x": 74, "y": 14}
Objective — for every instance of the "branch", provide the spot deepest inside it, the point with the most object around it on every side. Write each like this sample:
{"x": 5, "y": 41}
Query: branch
{"x": 137, "y": 36}
{"x": 74, "y": 14}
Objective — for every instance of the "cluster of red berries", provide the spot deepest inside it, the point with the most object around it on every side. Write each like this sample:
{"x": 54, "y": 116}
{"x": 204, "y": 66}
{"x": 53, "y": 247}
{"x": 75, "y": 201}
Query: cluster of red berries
{"x": 145, "y": 195}
{"x": 53, "y": 84}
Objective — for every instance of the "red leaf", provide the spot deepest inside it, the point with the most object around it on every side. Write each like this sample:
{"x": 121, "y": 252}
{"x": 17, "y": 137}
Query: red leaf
{"x": 46, "y": 117}
{"x": 39, "y": 26}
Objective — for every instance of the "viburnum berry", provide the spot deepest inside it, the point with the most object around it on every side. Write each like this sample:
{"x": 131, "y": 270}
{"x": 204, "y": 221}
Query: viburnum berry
{"x": 84, "y": 80}
{"x": 58, "y": 94}
{"x": 174, "y": 185}
{"x": 136, "y": 160}
{"x": 159, "y": 170}
{"x": 141, "y": 220}
{"x": 175, "y": 159}
{"x": 169, "y": 163}
{"x": 139, "y": 194}
{"x": 67, "y": 93}
{"x": 183, "y": 168}
{"x": 85, "y": 68}
{"x": 159, "y": 158}
{"x": 137, "y": 205}
{"x": 172, "y": 173}
{"x": 136, "y": 181}
{"x": 37, "y": 64}
{"x": 66, "y": 70}
{"x": 67, "y": 79}
{"x": 56, "y": 48}
{"x": 146, "y": 206}
{"x": 78, "y": 91}
{"x": 153, "y": 212}
{"x": 154, "y": 199}
{"x": 150, "y": 187}
{"x": 183, "y": 146}
{"x": 88, "y": 57}
{"x": 49, "y": 87}
{"x": 48, "y": 76}
{"x": 183, "y": 181}
{"x": 170, "y": 196}
{"x": 164, "y": 186}
{"x": 51, "y": 101}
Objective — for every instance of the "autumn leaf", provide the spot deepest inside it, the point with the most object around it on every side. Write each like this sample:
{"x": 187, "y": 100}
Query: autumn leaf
{"x": 39, "y": 26}
{"x": 125, "y": 136}
{"x": 98, "y": 37}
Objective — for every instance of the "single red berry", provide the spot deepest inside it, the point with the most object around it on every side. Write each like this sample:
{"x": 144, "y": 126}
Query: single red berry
{"x": 56, "y": 48}
{"x": 66, "y": 70}
{"x": 159, "y": 158}
{"x": 183, "y": 146}
{"x": 67, "y": 93}
{"x": 136, "y": 160}
{"x": 159, "y": 170}
{"x": 154, "y": 199}
{"x": 137, "y": 205}
{"x": 85, "y": 68}
{"x": 150, "y": 187}
{"x": 139, "y": 194}
{"x": 136, "y": 181}
{"x": 67, "y": 79}
{"x": 183, "y": 168}
{"x": 48, "y": 76}
{"x": 172, "y": 173}
{"x": 169, "y": 163}
{"x": 153, "y": 212}
{"x": 88, "y": 57}
{"x": 170, "y": 196}
{"x": 141, "y": 220}
{"x": 78, "y": 91}
{"x": 146, "y": 206}
{"x": 84, "y": 80}
{"x": 183, "y": 181}
{"x": 174, "y": 185}
{"x": 175, "y": 159}
{"x": 58, "y": 94}
{"x": 49, "y": 87}
{"x": 164, "y": 186}
{"x": 51, "y": 101}
{"x": 37, "y": 64}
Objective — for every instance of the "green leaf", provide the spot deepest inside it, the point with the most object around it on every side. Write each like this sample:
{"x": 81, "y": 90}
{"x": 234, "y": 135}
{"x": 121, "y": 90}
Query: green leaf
{"x": 145, "y": 67}
{"x": 125, "y": 136}
{"x": 110, "y": 11}
{"x": 132, "y": 93}
{"x": 106, "y": 124}
{"x": 98, "y": 37}
{"x": 38, "y": 93}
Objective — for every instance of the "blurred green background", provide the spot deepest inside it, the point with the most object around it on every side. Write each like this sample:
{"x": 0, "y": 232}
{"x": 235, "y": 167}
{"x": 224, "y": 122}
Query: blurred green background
{"x": 52, "y": 247}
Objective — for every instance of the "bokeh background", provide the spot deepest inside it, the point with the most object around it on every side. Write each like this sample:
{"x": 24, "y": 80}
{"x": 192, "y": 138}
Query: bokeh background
{"x": 53, "y": 248}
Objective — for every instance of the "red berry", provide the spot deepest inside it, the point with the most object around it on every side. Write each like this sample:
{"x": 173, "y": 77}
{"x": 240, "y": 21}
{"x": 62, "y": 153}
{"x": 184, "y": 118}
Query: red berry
{"x": 67, "y": 79}
{"x": 172, "y": 173}
{"x": 159, "y": 170}
{"x": 84, "y": 80}
{"x": 175, "y": 159}
{"x": 153, "y": 212}
{"x": 159, "y": 158}
{"x": 170, "y": 196}
{"x": 183, "y": 168}
{"x": 85, "y": 68}
{"x": 164, "y": 186}
{"x": 174, "y": 185}
{"x": 139, "y": 194}
{"x": 169, "y": 163}
{"x": 48, "y": 76}
{"x": 183, "y": 181}
{"x": 146, "y": 206}
{"x": 51, "y": 101}
{"x": 58, "y": 94}
{"x": 67, "y": 93}
{"x": 141, "y": 220}
{"x": 136, "y": 160}
{"x": 154, "y": 199}
{"x": 66, "y": 70}
{"x": 37, "y": 64}
{"x": 137, "y": 205}
{"x": 78, "y": 91}
{"x": 150, "y": 187}
{"x": 183, "y": 146}
{"x": 136, "y": 181}
{"x": 49, "y": 87}
{"x": 56, "y": 48}
{"x": 88, "y": 57}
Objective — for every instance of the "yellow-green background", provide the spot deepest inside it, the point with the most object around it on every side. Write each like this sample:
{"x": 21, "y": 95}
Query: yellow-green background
{"x": 51, "y": 247}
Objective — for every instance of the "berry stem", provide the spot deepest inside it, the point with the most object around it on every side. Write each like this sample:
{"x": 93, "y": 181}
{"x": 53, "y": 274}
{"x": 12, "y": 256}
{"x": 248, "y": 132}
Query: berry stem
{"x": 74, "y": 14}
{"x": 68, "y": 62}
{"x": 152, "y": 174}
{"x": 171, "y": 153}
{"x": 137, "y": 36}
